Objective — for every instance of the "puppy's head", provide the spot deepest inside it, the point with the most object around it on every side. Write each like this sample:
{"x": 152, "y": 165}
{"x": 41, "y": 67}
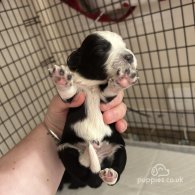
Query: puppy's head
{"x": 103, "y": 55}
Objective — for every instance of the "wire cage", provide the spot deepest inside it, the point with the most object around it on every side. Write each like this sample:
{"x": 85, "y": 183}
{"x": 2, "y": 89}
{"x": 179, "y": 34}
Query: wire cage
{"x": 34, "y": 35}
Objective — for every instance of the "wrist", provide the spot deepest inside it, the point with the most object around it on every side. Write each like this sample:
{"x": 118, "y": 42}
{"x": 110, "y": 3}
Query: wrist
{"x": 49, "y": 125}
{"x": 54, "y": 134}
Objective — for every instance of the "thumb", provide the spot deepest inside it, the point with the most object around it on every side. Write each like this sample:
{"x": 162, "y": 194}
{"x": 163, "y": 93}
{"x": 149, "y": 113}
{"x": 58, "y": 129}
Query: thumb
{"x": 60, "y": 106}
{"x": 77, "y": 100}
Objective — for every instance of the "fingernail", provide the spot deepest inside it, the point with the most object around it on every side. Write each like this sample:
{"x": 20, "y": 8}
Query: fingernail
{"x": 123, "y": 127}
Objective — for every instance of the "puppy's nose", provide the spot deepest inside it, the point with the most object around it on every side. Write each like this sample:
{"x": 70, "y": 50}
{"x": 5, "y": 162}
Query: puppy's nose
{"x": 129, "y": 58}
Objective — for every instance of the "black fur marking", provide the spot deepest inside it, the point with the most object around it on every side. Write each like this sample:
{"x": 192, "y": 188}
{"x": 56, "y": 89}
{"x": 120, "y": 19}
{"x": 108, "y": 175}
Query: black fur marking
{"x": 74, "y": 115}
{"x": 118, "y": 162}
{"x": 108, "y": 99}
{"x": 103, "y": 86}
{"x": 69, "y": 136}
{"x": 67, "y": 100}
{"x": 116, "y": 137}
{"x": 79, "y": 176}
{"x": 70, "y": 99}
{"x": 76, "y": 174}
{"x": 74, "y": 60}
{"x": 89, "y": 60}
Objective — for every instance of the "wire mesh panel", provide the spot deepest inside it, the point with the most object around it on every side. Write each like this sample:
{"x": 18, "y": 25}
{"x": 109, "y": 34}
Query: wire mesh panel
{"x": 36, "y": 34}
{"x": 25, "y": 90}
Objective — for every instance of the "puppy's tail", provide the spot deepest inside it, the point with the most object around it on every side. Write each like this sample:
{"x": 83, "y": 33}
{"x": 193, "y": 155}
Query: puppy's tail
{"x": 94, "y": 160}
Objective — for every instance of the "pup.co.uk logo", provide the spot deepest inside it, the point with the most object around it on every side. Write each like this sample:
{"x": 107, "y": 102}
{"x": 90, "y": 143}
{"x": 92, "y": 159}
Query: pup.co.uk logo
{"x": 159, "y": 170}
{"x": 159, "y": 174}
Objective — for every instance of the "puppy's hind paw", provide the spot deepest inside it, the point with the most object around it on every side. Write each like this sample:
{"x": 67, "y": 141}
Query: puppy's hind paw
{"x": 109, "y": 176}
{"x": 63, "y": 79}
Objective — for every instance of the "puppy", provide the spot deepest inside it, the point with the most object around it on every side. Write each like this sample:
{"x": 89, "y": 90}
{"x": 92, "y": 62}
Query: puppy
{"x": 91, "y": 151}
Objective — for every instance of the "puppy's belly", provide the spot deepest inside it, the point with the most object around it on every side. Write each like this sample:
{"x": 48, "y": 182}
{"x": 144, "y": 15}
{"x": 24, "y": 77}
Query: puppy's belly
{"x": 91, "y": 130}
{"x": 103, "y": 150}
{"x": 92, "y": 127}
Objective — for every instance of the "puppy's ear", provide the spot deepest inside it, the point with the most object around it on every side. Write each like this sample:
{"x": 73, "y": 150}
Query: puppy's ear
{"x": 73, "y": 60}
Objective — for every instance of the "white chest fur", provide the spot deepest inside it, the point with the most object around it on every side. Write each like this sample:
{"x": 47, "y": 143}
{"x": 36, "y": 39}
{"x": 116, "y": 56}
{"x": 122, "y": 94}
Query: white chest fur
{"x": 93, "y": 127}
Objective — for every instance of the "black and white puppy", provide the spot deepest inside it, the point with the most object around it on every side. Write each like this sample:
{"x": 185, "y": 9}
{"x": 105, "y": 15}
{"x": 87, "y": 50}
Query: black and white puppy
{"x": 91, "y": 151}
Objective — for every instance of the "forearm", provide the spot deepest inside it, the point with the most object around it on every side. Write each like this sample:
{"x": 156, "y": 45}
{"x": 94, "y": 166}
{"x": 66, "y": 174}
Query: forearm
{"x": 32, "y": 167}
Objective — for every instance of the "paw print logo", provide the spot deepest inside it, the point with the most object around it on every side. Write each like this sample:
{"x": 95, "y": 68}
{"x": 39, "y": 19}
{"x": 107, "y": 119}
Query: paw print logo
{"x": 160, "y": 170}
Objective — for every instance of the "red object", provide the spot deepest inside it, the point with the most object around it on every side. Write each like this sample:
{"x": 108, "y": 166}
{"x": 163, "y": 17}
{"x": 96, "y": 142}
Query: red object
{"x": 98, "y": 15}
{"x": 95, "y": 14}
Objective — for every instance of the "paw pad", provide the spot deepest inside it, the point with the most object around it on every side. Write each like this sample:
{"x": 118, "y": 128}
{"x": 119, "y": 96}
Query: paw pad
{"x": 61, "y": 72}
{"x": 109, "y": 176}
{"x": 63, "y": 79}
{"x": 60, "y": 75}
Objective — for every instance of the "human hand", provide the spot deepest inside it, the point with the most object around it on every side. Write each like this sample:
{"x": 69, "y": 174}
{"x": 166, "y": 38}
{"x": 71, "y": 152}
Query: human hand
{"x": 113, "y": 112}
{"x": 56, "y": 115}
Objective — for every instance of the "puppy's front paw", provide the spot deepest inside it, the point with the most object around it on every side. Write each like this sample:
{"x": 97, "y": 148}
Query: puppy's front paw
{"x": 63, "y": 79}
{"x": 126, "y": 77}
{"x": 109, "y": 176}
{"x": 61, "y": 76}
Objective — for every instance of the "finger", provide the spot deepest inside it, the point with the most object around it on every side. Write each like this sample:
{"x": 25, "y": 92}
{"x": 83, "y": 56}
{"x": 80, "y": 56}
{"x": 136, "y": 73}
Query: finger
{"x": 59, "y": 105}
{"x": 117, "y": 100}
{"x": 121, "y": 125}
{"x": 77, "y": 100}
{"x": 115, "y": 114}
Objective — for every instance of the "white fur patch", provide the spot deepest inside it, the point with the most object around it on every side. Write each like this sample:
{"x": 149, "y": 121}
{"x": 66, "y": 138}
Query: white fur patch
{"x": 92, "y": 155}
{"x": 82, "y": 82}
{"x": 92, "y": 127}
{"x": 94, "y": 161}
{"x": 118, "y": 49}
{"x": 115, "y": 39}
